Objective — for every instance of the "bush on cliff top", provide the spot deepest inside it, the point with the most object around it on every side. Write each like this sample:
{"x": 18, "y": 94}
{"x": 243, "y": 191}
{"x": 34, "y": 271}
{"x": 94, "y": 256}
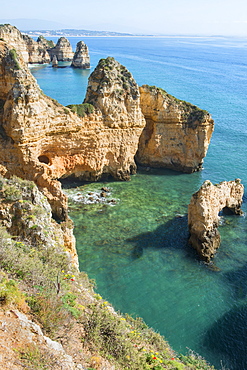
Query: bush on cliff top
{"x": 81, "y": 109}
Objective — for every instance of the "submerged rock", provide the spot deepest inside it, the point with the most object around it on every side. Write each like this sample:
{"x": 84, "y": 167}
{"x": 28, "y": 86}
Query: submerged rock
{"x": 203, "y": 214}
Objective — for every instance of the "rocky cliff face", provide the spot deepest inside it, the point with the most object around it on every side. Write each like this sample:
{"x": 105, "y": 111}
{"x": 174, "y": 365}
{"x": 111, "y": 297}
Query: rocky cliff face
{"x": 31, "y": 51}
{"x": 43, "y": 141}
{"x": 177, "y": 133}
{"x": 81, "y": 57}
{"x": 26, "y": 213}
{"x": 62, "y": 50}
{"x": 203, "y": 214}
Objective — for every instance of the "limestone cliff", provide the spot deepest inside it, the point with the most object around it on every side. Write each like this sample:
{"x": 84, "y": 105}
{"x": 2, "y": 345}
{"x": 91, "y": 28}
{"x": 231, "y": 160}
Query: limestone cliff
{"x": 43, "y": 141}
{"x": 177, "y": 133}
{"x": 62, "y": 50}
{"x": 203, "y": 214}
{"x": 31, "y": 51}
{"x": 81, "y": 57}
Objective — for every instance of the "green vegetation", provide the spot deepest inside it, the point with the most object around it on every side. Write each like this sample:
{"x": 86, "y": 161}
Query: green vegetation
{"x": 81, "y": 109}
{"x": 10, "y": 295}
{"x": 14, "y": 58}
{"x": 49, "y": 43}
{"x": 36, "y": 276}
{"x": 33, "y": 357}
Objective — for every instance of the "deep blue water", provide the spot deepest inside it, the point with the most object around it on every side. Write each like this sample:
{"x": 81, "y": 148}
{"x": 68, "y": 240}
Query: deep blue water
{"x": 137, "y": 250}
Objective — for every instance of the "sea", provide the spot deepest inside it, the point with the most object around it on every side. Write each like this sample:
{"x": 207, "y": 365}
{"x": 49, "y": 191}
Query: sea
{"x": 134, "y": 242}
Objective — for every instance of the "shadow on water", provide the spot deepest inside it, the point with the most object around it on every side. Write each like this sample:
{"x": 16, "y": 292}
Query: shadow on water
{"x": 173, "y": 234}
{"x": 228, "y": 336}
{"x": 237, "y": 281}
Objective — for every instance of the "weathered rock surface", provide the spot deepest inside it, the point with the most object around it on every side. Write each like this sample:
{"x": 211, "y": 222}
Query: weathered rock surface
{"x": 177, "y": 133}
{"x": 203, "y": 214}
{"x": 62, "y": 50}
{"x": 81, "y": 57}
{"x": 115, "y": 95}
{"x": 19, "y": 335}
{"x": 31, "y": 51}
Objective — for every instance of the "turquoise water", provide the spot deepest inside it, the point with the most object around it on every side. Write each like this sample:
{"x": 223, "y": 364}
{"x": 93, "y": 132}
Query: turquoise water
{"x": 136, "y": 247}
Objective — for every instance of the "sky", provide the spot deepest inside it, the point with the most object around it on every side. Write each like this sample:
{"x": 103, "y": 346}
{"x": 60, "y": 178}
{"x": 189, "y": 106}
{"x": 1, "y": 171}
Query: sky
{"x": 169, "y": 17}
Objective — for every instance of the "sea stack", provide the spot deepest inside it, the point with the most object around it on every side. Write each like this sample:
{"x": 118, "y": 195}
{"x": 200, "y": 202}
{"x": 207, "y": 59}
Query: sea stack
{"x": 62, "y": 50}
{"x": 177, "y": 134}
{"x": 203, "y": 214}
{"x": 54, "y": 62}
{"x": 81, "y": 57}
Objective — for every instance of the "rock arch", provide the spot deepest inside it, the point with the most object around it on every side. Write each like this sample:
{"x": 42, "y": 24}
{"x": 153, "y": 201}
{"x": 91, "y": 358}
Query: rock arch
{"x": 203, "y": 214}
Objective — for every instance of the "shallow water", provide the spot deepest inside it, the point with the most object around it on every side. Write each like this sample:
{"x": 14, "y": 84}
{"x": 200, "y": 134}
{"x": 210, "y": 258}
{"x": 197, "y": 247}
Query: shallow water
{"x": 136, "y": 249}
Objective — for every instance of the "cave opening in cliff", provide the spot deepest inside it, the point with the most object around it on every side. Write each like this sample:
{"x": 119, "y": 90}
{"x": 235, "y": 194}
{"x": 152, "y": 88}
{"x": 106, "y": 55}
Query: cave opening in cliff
{"x": 44, "y": 159}
{"x": 226, "y": 211}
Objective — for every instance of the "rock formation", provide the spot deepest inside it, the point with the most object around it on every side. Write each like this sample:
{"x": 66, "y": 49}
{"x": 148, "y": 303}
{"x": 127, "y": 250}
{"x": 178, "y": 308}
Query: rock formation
{"x": 31, "y": 51}
{"x": 62, "y": 50}
{"x": 81, "y": 57}
{"x": 25, "y": 211}
{"x": 43, "y": 141}
{"x": 177, "y": 133}
{"x": 48, "y": 44}
{"x": 54, "y": 62}
{"x": 203, "y": 214}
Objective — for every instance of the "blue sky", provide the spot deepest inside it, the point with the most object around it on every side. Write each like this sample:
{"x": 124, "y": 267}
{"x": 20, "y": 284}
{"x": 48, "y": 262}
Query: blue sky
{"x": 206, "y": 17}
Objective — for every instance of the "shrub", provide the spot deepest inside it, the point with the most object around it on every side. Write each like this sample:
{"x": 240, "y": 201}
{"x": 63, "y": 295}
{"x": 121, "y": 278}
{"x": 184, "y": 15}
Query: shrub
{"x": 81, "y": 109}
{"x": 10, "y": 295}
{"x": 14, "y": 58}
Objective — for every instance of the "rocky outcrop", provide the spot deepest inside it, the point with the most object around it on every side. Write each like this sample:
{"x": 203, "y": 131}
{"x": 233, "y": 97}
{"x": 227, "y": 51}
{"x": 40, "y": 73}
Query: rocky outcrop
{"x": 41, "y": 140}
{"x": 20, "y": 335}
{"x": 48, "y": 44}
{"x": 54, "y": 62}
{"x": 177, "y": 133}
{"x": 203, "y": 214}
{"x": 25, "y": 211}
{"x": 81, "y": 57}
{"x": 62, "y": 50}
{"x": 30, "y": 50}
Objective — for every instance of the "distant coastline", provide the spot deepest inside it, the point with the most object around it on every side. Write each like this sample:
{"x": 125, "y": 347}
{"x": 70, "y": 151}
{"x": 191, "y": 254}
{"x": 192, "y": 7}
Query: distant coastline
{"x": 88, "y": 33}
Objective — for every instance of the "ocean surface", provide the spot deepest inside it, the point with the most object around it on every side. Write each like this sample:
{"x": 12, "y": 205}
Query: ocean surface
{"x": 135, "y": 246}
